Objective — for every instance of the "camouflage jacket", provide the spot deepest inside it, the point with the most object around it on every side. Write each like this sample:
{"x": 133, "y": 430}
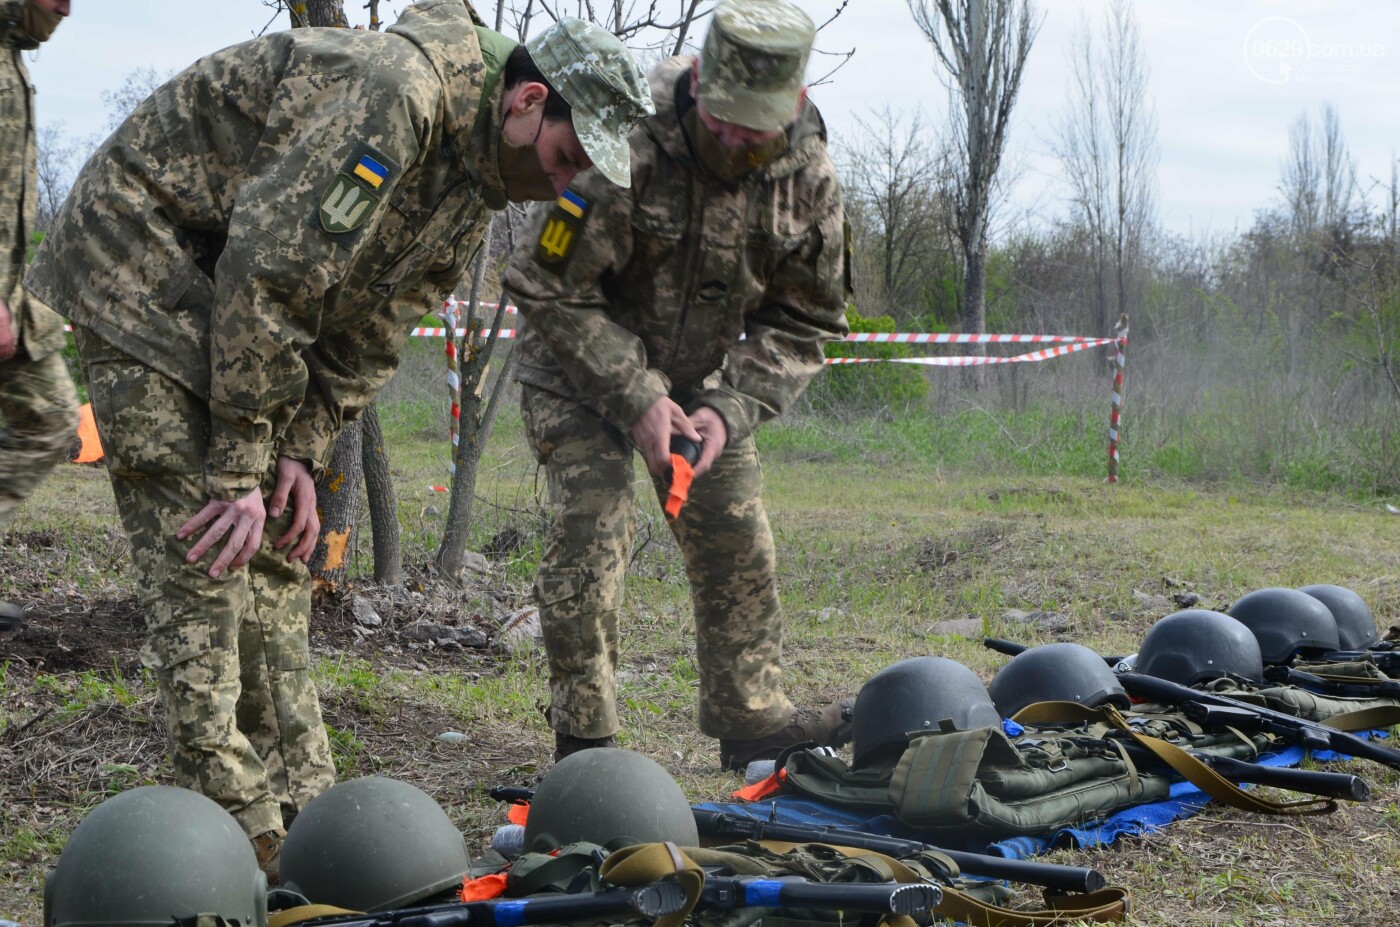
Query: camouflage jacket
{"x": 266, "y": 228}
{"x": 649, "y": 292}
{"x": 40, "y": 331}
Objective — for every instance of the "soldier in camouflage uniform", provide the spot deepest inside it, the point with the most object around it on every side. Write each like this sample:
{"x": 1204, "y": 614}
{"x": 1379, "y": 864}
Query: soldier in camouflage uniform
{"x": 242, "y": 261}
{"x": 37, "y": 400}
{"x": 697, "y": 303}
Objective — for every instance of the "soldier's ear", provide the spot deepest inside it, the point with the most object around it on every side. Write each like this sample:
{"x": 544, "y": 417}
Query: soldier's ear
{"x": 527, "y": 95}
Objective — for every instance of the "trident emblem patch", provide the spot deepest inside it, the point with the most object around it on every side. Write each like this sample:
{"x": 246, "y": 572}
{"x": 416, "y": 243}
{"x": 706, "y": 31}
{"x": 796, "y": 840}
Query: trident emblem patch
{"x": 561, "y": 230}
{"x": 345, "y": 204}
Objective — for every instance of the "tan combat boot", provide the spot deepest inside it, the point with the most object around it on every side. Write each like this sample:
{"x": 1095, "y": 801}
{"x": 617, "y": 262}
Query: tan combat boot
{"x": 829, "y": 726}
{"x": 267, "y": 846}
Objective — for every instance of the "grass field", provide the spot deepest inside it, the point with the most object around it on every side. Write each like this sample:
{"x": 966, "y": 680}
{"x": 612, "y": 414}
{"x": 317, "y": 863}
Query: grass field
{"x": 885, "y": 534}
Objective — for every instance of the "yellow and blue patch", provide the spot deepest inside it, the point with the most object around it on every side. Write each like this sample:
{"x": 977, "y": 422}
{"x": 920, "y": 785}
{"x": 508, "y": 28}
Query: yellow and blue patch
{"x": 561, "y": 231}
{"x": 371, "y": 171}
{"x": 572, "y": 203}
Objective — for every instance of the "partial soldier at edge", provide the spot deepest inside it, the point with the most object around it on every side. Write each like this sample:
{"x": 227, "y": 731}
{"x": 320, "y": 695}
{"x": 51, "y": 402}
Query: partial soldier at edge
{"x": 696, "y": 304}
{"x": 38, "y": 401}
{"x": 242, "y": 261}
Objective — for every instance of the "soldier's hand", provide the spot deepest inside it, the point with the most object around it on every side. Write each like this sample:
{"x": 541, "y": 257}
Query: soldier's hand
{"x": 7, "y": 333}
{"x": 294, "y": 482}
{"x": 652, "y": 433}
{"x": 240, "y": 521}
{"x": 712, "y": 428}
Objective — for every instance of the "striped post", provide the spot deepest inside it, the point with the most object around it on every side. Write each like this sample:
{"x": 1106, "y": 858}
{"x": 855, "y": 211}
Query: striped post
{"x": 1120, "y": 340}
{"x": 454, "y": 385}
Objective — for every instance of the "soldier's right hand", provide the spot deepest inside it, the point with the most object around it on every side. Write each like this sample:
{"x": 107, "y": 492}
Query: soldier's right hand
{"x": 652, "y": 433}
{"x": 7, "y": 333}
{"x": 241, "y": 521}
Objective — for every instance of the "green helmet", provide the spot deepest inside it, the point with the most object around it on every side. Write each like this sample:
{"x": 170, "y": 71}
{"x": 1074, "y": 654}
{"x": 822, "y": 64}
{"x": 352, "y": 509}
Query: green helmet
{"x": 153, "y": 856}
{"x": 1356, "y": 626}
{"x": 372, "y": 844}
{"x": 611, "y": 797}
{"x": 1055, "y": 673}
{"x": 914, "y": 695}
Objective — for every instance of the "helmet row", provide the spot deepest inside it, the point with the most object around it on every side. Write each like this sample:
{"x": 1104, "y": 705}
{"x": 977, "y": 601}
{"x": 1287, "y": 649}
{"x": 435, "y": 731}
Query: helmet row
{"x": 158, "y": 853}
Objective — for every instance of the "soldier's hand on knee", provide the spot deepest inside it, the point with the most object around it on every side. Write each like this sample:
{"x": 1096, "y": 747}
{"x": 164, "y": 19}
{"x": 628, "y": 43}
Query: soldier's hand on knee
{"x": 652, "y": 433}
{"x": 712, "y": 428}
{"x": 294, "y": 482}
{"x": 8, "y": 340}
{"x": 239, "y": 522}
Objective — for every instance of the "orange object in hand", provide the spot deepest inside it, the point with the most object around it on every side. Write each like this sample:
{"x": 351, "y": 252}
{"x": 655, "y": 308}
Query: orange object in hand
{"x": 684, "y": 455}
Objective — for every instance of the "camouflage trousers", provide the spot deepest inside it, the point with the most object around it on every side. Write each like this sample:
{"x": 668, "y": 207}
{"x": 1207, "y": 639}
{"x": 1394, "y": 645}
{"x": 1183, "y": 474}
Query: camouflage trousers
{"x": 729, "y": 559}
{"x": 40, "y": 407}
{"x": 231, "y": 654}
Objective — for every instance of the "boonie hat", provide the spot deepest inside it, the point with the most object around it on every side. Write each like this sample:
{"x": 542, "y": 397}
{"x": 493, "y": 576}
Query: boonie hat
{"x": 753, "y": 62}
{"x": 595, "y": 74}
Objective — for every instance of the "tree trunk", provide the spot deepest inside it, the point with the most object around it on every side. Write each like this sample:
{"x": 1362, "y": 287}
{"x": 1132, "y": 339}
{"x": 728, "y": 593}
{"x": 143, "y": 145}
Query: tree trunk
{"x": 974, "y": 308}
{"x": 338, "y": 501}
{"x": 317, "y": 13}
{"x": 383, "y": 505}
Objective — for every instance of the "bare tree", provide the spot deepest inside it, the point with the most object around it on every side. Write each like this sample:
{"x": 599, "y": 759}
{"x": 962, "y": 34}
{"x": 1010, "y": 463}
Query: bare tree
{"x": 54, "y": 156}
{"x": 982, "y": 46}
{"x": 1107, "y": 145}
{"x": 1319, "y": 174}
{"x": 893, "y": 188}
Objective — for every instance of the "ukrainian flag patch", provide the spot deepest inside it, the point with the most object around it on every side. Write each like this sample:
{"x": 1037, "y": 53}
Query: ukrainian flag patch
{"x": 561, "y": 231}
{"x": 572, "y": 203}
{"x": 371, "y": 171}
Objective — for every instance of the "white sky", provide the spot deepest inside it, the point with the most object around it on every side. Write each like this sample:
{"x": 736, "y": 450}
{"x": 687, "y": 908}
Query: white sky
{"x": 1227, "y": 80}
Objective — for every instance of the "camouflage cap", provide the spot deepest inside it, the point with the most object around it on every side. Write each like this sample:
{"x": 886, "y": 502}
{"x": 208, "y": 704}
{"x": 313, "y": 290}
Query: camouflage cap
{"x": 595, "y": 74}
{"x": 753, "y": 62}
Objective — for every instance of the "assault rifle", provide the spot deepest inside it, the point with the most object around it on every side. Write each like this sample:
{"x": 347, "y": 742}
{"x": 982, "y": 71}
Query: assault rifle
{"x": 1191, "y": 702}
{"x": 1046, "y": 875}
{"x": 1218, "y": 712}
{"x": 1351, "y": 688}
{"x": 649, "y": 901}
{"x": 720, "y": 824}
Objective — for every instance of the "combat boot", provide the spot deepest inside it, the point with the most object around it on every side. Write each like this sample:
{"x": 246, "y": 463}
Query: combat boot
{"x": 267, "y": 846}
{"x": 11, "y": 616}
{"x": 829, "y": 726}
{"x": 567, "y": 744}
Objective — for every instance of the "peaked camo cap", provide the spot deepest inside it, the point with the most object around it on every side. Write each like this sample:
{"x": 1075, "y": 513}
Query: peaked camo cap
{"x": 754, "y": 61}
{"x": 595, "y": 74}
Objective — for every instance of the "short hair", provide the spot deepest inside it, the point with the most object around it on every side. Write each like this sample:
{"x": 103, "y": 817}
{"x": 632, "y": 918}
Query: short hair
{"x": 521, "y": 68}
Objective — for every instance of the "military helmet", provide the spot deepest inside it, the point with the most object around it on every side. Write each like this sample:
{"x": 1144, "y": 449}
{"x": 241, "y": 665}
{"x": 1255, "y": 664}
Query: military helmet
{"x": 1356, "y": 626}
{"x": 372, "y": 844}
{"x": 1055, "y": 673}
{"x": 609, "y": 796}
{"x": 915, "y": 695}
{"x": 1197, "y": 645}
{"x": 153, "y": 856}
{"x": 1286, "y": 622}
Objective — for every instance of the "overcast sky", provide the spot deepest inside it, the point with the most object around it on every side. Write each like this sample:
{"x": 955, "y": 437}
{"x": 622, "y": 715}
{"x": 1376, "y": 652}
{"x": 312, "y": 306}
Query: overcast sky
{"x": 1227, "y": 80}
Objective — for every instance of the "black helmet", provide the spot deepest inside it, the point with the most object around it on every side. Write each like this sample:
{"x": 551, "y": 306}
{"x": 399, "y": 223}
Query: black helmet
{"x": 1197, "y": 645}
{"x": 608, "y": 796}
{"x": 916, "y": 695}
{"x": 153, "y": 856}
{"x": 372, "y": 844}
{"x": 1055, "y": 673}
{"x": 1286, "y": 622}
{"x": 1356, "y": 626}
